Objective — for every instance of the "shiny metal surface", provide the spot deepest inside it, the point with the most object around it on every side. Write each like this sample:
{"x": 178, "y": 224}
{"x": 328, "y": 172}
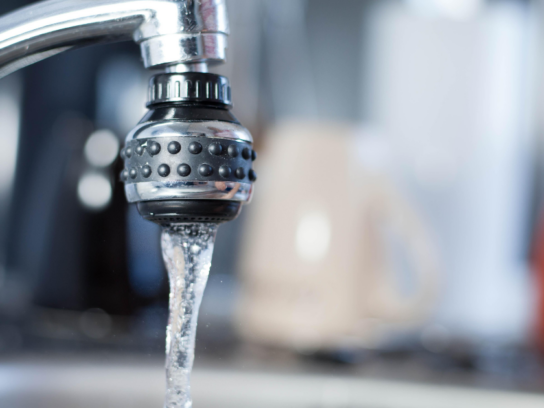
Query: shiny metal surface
{"x": 196, "y": 67}
{"x": 154, "y": 190}
{"x": 220, "y": 190}
{"x": 168, "y": 49}
{"x": 168, "y": 31}
{"x": 214, "y": 129}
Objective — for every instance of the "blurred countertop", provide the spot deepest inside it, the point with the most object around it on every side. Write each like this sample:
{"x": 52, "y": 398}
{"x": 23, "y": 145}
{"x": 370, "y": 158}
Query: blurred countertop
{"x": 138, "y": 382}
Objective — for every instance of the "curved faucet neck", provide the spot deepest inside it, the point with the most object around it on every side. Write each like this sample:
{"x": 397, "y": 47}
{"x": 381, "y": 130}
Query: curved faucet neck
{"x": 170, "y": 32}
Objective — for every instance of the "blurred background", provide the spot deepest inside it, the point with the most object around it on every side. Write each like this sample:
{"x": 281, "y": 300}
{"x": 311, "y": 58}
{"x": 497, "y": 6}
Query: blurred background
{"x": 393, "y": 255}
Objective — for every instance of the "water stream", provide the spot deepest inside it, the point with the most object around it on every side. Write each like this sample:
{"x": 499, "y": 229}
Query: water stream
{"x": 187, "y": 251}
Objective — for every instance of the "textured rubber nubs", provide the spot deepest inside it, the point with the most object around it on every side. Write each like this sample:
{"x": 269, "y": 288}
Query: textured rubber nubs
{"x": 168, "y": 212}
{"x": 184, "y": 158}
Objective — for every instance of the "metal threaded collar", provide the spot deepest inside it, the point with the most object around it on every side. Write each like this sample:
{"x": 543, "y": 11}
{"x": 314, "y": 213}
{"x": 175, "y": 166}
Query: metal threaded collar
{"x": 187, "y": 87}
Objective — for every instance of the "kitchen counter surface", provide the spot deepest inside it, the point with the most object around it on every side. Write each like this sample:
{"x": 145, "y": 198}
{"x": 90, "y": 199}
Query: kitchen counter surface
{"x": 125, "y": 382}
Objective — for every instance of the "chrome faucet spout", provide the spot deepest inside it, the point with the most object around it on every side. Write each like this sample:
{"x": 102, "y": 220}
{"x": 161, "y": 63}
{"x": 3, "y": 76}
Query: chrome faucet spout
{"x": 189, "y": 159}
{"x": 170, "y": 32}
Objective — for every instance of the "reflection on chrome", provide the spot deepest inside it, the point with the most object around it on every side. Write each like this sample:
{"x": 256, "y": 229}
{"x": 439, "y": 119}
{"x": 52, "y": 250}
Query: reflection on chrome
{"x": 214, "y": 129}
{"x": 169, "y": 32}
{"x": 209, "y": 190}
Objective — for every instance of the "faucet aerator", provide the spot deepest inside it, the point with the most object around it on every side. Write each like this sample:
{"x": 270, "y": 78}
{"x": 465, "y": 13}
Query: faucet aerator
{"x": 189, "y": 160}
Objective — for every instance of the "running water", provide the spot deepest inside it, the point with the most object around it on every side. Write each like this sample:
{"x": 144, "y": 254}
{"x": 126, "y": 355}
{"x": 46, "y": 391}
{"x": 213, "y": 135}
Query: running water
{"x": 187, "y": 251}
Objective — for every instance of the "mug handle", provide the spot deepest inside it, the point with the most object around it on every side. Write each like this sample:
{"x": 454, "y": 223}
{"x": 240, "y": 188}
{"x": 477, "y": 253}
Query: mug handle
{"x": 388, "y": 209}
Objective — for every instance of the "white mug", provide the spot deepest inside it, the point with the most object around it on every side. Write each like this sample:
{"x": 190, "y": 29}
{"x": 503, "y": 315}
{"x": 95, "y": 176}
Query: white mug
{"x": 323, "y": 243}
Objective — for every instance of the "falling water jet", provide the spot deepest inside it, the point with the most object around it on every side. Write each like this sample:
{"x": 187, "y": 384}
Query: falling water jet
{"x": 187, "y": 251}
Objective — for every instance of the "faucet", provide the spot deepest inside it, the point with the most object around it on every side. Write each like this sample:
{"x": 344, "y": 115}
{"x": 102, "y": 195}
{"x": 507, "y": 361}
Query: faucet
{"x": 189, "y": 159}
